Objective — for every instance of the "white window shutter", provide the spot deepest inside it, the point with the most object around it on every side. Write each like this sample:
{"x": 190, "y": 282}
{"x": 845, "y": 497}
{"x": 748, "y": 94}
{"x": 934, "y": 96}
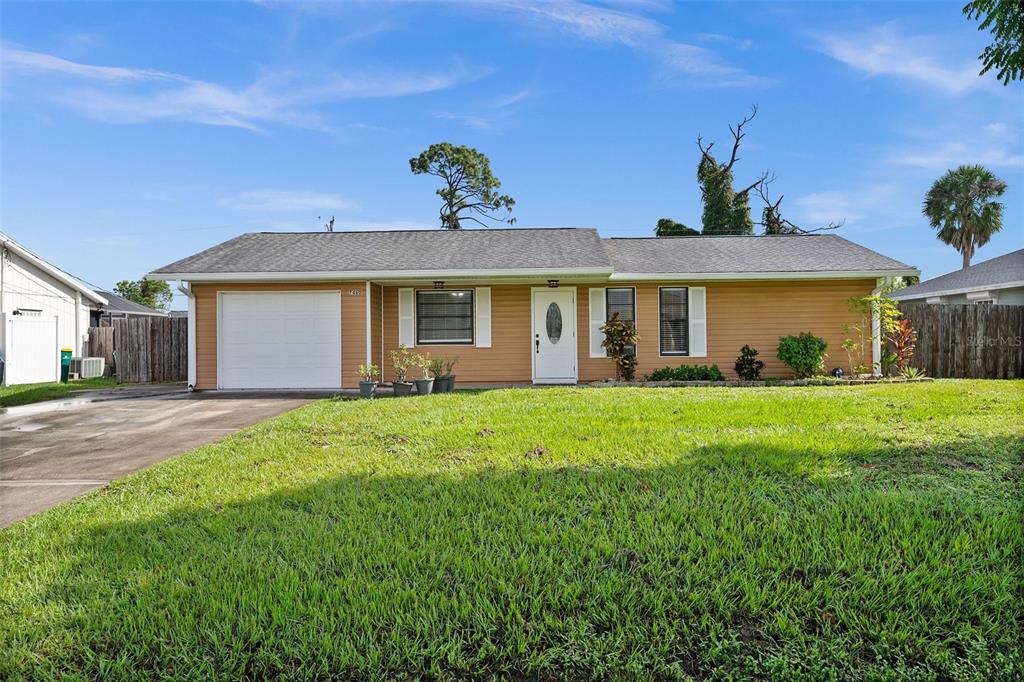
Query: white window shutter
{"x": 406, "y": 317}
{"x": 483, "y": 317}
{"x": 598, "y": 311}
{"x": 697, "y": 309}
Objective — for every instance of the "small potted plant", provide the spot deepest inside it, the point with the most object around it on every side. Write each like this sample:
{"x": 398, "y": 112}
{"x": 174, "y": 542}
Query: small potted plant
{"x": 367, "y": 384}
{"x": 400, "y": 361}
{"x": 425, "y": 384}
{"x": 437, "y": 371}
{"x": 449, "y": 376}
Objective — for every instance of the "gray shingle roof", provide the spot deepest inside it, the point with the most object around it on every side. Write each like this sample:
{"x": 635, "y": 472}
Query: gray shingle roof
{"x": 549, "y": 249}
{"x": 729, "y": 254}
{"x": 1002, "y": 271}
{"x": 441, "y": 250}
{"x": 119, "y": 304}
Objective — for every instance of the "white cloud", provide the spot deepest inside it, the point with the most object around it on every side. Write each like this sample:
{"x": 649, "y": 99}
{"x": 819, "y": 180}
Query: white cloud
{"x": 119, "y": 94}
{"x": 38, "y": 62}
{"x": 995, "y": 144}
{"x": 718, "y": 38}
{"x": 514, "y": 98}
{"x": 866, "y": 208}
{"x": 287, "y": 200}
{"x": 633, "y": 30}
{"x": 885, "y": 51}
{"x": 478, "y": 122}
{"x": 952, "y": 154}
{"x": 490, "y": 114}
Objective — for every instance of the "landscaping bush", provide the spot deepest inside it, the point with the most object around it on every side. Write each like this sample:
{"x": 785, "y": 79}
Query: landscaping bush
{"x": 620, "y": 339}
{"x": 686, "y": 373}
{"x": 804, "y": 354}
{"x": 747, "y": 365}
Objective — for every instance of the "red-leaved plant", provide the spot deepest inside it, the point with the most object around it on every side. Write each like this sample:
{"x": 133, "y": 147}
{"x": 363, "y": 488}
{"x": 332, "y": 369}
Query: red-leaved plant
{"x": 903, "y": 339}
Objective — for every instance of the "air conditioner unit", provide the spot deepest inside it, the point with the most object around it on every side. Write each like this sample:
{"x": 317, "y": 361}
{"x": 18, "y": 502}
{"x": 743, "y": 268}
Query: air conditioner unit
{"x": 87, "y": 368}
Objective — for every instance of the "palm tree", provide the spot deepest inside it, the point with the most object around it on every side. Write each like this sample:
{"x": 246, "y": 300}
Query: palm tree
{"x": 959, "y": 205}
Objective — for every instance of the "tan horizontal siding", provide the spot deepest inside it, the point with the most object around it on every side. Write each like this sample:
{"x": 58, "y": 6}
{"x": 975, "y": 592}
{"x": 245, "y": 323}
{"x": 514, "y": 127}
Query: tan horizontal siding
{"x": 739, "y": 313}
{"x": 507, "y": 360}
{"x": 353, "y": 324}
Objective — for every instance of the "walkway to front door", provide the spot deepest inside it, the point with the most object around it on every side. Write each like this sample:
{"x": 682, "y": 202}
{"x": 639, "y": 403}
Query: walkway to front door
{"x": 554, "y": 335}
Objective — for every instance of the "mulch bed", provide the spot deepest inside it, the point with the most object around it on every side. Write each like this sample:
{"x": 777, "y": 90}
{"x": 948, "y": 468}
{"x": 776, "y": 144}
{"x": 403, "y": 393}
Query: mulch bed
{"x": 818, "y": 381}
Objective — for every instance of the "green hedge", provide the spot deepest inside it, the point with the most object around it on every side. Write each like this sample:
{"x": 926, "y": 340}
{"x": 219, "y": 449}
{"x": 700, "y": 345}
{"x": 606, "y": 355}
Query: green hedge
{"x": 686, "y": 373}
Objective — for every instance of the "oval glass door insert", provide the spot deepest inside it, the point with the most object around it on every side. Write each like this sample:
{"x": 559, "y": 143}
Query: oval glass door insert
{"x": 554, "y": 323}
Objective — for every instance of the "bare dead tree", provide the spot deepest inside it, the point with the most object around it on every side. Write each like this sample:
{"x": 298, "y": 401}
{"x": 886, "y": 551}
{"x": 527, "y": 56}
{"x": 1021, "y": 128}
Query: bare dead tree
{"x": 737, "y": 138}
{"x": 771, "y": 217}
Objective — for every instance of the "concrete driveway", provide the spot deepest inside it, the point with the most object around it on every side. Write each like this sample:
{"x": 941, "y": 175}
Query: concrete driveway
{"x": 53, "y": 452}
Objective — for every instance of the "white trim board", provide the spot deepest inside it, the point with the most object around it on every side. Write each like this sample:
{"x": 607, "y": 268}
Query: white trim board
{"x": 427, "y": 275}
{"x": 705, "y": 276}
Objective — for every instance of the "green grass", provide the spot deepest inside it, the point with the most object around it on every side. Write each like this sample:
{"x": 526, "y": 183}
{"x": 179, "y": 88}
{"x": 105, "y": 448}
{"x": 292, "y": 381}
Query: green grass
{"x": 23, "y": 394}
{"x": 869, "y": 532}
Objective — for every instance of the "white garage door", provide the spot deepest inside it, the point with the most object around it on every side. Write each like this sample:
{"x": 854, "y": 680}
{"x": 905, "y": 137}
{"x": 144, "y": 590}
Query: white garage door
{"x": 279, "y": 340}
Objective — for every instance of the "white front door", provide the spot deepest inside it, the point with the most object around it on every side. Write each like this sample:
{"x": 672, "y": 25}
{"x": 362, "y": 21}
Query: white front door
{"x": 554, "y": 336}
{"x": 279, "y": 339}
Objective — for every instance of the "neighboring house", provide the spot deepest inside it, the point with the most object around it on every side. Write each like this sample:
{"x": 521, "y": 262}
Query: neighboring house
{"x": 304, "y": 310}
{"x": 999, "y": 281}
{"x": 119, "y": 307}
{"x": 43, "y": 309}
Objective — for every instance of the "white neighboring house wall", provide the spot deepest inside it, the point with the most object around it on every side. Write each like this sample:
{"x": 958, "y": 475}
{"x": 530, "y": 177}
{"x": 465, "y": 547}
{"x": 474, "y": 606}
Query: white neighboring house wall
{"x": 32, "y": 287}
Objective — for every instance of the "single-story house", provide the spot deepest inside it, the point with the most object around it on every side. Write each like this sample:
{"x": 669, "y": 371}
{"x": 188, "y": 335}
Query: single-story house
{"x": 120, "y": 308}
{"x": 42, "y": 309}
{"x": 304, "y": 310}
{"x": 999, "y": 281}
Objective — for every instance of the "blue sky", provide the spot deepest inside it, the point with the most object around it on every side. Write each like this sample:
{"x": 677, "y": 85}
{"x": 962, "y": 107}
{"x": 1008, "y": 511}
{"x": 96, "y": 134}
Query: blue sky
{"x": 134, "y": 134}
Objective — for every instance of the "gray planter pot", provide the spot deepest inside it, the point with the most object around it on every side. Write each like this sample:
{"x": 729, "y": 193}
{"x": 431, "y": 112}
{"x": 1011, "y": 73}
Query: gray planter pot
{"x": 402, "y": 388}
{"x": 442, "y": 384}
{"x": 451, "y": 383}
{"x": 424, "y": 386}
{"x": 367, "y": 389}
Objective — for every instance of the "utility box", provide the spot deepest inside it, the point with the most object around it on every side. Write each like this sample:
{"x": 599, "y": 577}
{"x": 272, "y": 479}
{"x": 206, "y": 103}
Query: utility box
{"x": 88, "y": 368}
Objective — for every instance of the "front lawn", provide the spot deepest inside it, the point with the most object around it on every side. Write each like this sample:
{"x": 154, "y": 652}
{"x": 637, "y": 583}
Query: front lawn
{"x": 23, "y": 394}
{"x": 800, "y": 533}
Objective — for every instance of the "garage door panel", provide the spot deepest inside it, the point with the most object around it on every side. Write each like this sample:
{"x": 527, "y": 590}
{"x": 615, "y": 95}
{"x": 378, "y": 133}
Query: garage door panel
{"x": 280, "y": 340}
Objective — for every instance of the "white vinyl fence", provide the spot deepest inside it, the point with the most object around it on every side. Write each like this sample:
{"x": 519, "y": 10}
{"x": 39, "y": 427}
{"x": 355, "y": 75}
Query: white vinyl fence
{"x": 29, "y": 348}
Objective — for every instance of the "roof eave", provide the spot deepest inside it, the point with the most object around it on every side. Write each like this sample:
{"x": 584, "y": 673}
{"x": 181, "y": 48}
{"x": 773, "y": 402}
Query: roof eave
{"x": 814, "y": 274}
{"x": 49, "y": 269}
{"x": 907, "y": 295}
{"x": 376, "y": 274}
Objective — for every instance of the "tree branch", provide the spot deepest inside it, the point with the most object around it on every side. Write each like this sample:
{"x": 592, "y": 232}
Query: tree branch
{"x": 772, "y": 220}
{"x": 738, "y": 135}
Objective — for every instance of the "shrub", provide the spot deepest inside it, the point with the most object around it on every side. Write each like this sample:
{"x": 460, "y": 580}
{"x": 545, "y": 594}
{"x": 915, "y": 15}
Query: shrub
{"x": 804, "y": 354}
{"x": 747, "y": 365}
{"x": 620, "y": 339}
{"x": 686, "y": 373}
{"x": 400, "y": 361}
{"x": 903, "y": 339}
{"x": 860, "y": 334}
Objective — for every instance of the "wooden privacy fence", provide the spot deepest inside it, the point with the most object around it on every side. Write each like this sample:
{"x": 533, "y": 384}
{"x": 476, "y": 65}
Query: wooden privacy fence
{"x": 145, "y": 349}
{"x": 101, "y": 345}
{"x": 968, "y": 341}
